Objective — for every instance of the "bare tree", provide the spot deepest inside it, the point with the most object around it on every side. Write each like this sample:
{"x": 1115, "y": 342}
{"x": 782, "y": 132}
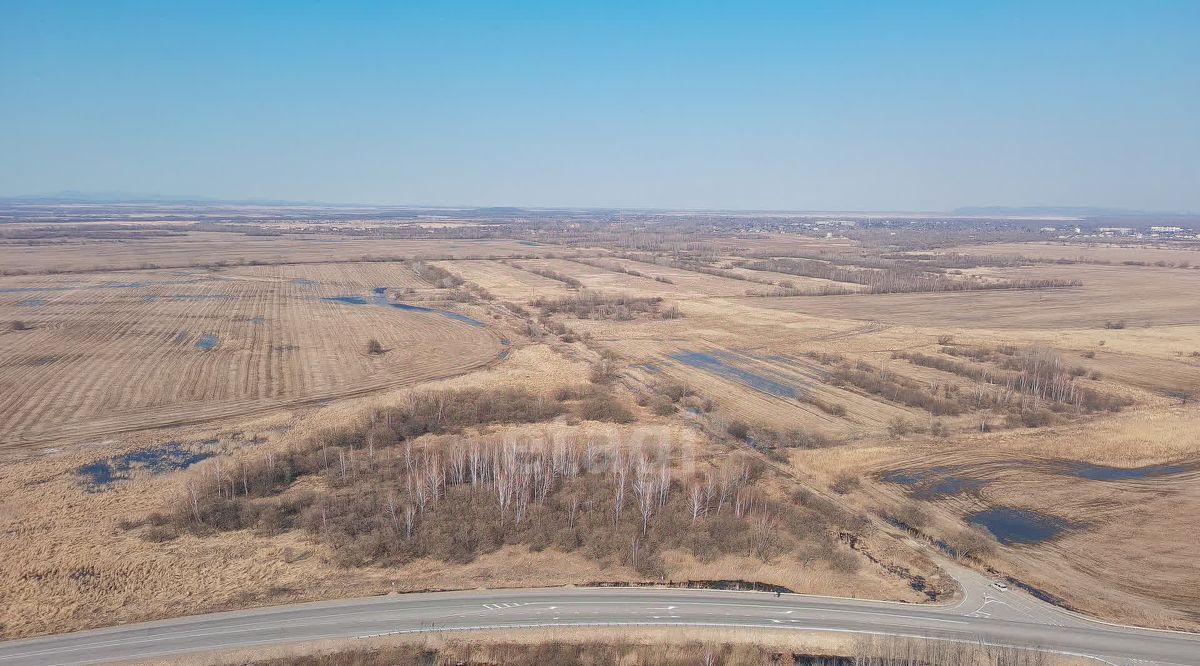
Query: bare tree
{"x": 410, "y": 515}
{"x": 697, "y": 500}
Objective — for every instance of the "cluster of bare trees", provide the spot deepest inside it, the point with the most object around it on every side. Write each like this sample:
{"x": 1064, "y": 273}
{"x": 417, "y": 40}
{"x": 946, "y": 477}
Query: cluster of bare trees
{"x": 710, "y": 494}
{"x": 894, "y": 387}
{"x": 789, "y": 289}
{"x": 382, "y": 500}
{"x": 435, "y": 275}
{"x": 618, "y": 268}
{"x": 893, "y": 278}
{"x": 958, "y": 260}
{"x": 594, "y": 305}
{"x": 696, "y": 264}
{"x": 1026, "y": 380}
{"x": 555, "y": 275}
{"x": 868, "y": 650}
{"x": 883, "y": 650}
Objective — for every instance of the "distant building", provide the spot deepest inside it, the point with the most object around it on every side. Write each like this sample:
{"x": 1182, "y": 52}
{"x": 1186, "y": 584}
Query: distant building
{"x": 1122, "y": 231}
{"x": 1166, "y": 230}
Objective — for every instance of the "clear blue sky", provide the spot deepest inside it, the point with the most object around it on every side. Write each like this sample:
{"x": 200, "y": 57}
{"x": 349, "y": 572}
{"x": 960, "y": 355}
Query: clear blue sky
{"x": 781, "y": 105}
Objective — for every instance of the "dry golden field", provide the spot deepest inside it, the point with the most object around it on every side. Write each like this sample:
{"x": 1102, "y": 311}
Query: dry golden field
{"x": 1114, "y": 252}
{"x": 202, "y": 248}
{"x": 108, "y": 353}
{"x": 925, "y": 407}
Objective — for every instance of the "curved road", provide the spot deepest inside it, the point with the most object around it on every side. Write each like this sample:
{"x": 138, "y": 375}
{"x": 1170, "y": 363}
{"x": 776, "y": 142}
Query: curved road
{"x": 983, "y": 614}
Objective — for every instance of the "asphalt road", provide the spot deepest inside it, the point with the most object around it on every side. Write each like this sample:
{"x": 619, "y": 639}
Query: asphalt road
{"x": 984, "y": 614}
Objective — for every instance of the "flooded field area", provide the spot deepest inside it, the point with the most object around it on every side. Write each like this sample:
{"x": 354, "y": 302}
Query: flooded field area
{"x": 170, "y": 457}
{"x": 1013, "y": 526}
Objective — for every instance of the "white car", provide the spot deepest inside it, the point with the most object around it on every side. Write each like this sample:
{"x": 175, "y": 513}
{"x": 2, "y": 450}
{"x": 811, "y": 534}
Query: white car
{"x": 1000, "y": 586}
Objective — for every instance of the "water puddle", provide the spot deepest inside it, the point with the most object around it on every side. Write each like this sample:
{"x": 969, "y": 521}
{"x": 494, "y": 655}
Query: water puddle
{"x": 32, "y": 302}
{"x": 904, "y": 478}
{"x": 1019, "y": 526}
{"x": 102, "y": 285}
{"x": 379, "y": 297}
{"x": 461, "y": 317}
{"x": 208, "y": 341}
{"x": 167, "y": 458}
{"x": 201, "y": 297}
{"x": 445, "y": 313}
{"x": 934, "y": 483}
{"x": 710, "y": 363}
{"x": 1102, "y": 473}
{"x": 181, "y": 338}
{"x": 346, "y": 300}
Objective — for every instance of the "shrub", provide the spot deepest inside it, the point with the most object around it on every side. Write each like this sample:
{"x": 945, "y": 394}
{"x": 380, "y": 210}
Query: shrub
{"x": 1032, "y": 418}
{"x": 738, "y": 430}
{"x": 910, "y": 516}
{"x": 160, "y": 533}
{"x": 844, "y": 483}
{"x": 374, "y": 347}
{"x": 802, "y": 439}
{"x": 831, "y": 408}
{"x": 603, "y": 372}
{"x": 825, "y": 358}
{"x": 564, "y": 393}
{"x": 453, "y": 410}
{"x": 971, "y": 542}
{"x": 899, "y": 426}
{"x": 894, "y": 387}
{"x": 435, "y": 275}
{"x": 555, "y": 275}
{"x": 662, "y": 405}
{"x": 604, "y": 407}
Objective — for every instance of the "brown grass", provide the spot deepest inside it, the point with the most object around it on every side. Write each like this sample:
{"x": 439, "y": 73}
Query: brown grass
{"x": 99, "y": 372}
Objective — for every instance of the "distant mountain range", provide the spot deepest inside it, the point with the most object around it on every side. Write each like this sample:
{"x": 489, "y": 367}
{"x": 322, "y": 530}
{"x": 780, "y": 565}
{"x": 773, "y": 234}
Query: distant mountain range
{"x": 74, "y": 196}
{"x": 1065, "y": 211}
{"x": 122, "y": 197}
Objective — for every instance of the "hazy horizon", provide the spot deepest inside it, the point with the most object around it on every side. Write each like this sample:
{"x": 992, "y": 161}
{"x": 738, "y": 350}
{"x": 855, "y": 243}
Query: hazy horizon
{"x": 678, "y": 106}
{"x": 151, "y": 198}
